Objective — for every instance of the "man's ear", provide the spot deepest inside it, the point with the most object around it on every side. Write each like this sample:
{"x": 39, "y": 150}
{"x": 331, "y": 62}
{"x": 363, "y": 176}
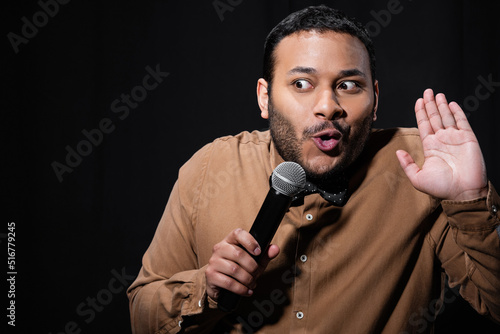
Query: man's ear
{"x": 375, "y": 103}
{"x": 263, "y": 98}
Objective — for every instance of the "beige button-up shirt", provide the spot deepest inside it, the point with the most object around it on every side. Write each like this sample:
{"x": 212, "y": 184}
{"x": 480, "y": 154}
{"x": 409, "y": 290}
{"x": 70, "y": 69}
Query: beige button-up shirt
{"x": 372, "y": 266}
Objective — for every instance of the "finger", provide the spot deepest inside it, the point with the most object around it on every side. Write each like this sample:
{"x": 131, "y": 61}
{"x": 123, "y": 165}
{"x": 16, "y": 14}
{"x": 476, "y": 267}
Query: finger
{"x": 447, "y": 117}
{"x": 234, "y": 270}
{"x": 409, "y": 166}
{"x": 220, "y": 280}
{"x": 460, "y": 118}
{"x": 233, "y": 255}
{"x": 423, "y": 123}
{"x": 432, "y": 110}
{"x": 271, "y": 253}
{"x": 230, "y": 262}
{"x": 244, "y": 239}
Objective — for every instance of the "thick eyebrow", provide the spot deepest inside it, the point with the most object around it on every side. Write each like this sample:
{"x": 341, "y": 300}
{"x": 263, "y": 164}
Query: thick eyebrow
{"x": 311, "y": 70}
{"x": 352, "y": 73}
{"x": 302, "y": 70}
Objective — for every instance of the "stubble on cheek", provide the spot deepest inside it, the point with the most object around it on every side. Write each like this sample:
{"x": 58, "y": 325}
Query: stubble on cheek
{"x": 284, "y": 136}
{"x": 293, "y": 148}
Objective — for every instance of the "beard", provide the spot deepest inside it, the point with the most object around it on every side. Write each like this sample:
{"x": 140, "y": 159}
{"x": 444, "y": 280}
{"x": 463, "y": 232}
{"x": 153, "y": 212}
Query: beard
{"x": 289, "y": 146}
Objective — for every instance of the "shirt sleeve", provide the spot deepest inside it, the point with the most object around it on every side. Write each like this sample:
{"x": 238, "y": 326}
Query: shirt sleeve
{"x": 170, "y": 290}
{"x": 469, "y": 251}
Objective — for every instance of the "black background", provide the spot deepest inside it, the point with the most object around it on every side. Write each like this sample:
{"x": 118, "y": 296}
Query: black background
{"x": 73, "y": 236}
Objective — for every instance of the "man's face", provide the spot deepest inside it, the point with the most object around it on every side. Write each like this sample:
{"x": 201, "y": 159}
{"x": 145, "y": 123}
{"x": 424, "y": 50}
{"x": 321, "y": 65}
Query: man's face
{"x": 322, "y": 101}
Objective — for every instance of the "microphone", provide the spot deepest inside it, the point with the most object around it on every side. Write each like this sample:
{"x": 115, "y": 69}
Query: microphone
{"x": 287, "y": 180}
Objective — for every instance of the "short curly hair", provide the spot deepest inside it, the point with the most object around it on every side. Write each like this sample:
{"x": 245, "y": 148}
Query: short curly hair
{"x": 315, "y": 18}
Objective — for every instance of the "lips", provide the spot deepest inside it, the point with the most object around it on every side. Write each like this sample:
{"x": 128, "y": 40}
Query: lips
{"x": 327, "y": 140}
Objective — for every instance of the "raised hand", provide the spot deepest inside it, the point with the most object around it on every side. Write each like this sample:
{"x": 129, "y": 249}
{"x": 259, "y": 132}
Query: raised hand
{"x": 454, "y": 167}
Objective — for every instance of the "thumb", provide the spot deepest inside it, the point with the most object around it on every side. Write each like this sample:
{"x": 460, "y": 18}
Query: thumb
{"x": 271, "y": 253}
{"x": 409, "y": 166}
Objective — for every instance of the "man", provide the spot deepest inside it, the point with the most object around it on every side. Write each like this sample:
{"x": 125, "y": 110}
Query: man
{"x": 418, "y": 204}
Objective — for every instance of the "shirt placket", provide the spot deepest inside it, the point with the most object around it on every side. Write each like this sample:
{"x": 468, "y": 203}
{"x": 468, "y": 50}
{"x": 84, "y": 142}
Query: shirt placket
{"x": 303, "y": 265}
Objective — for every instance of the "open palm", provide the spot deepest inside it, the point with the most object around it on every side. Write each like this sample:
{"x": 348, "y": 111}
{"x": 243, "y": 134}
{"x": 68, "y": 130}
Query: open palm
{"x": 454, "y": 167}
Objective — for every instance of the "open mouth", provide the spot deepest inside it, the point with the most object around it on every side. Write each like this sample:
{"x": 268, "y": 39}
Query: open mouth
{"x": 327, "y": 140}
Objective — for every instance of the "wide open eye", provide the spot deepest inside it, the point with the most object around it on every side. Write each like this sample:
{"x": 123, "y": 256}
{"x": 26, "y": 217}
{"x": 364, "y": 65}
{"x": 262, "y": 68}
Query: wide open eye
{"x": 350, "y": 86}
{"x": 302, "y": 84}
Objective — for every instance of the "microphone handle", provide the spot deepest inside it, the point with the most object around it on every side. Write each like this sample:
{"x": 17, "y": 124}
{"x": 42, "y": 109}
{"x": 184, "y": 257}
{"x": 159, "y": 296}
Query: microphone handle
{"x": 263, "y": 229}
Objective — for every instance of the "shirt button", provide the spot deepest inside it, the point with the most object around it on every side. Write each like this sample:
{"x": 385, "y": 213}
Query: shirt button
{"x": 300, "y": 315}
{"x": 303, "y": 258}
{"x": 309, "y": 216}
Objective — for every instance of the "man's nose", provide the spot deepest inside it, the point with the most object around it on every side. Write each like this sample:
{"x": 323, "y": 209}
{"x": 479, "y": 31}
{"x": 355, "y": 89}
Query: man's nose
{"x": 327, "y": 106}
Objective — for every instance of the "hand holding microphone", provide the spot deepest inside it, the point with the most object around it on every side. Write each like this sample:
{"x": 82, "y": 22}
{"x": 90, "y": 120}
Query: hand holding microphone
{"x": 242, "y": 256}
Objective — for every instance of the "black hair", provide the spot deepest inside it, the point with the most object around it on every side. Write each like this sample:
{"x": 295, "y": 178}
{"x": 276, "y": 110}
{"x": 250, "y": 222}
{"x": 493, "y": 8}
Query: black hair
{"x": 320, "y": 19}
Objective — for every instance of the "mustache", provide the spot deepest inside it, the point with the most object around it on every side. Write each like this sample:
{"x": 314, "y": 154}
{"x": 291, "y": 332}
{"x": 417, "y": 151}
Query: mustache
{"x": 342, "y": 128}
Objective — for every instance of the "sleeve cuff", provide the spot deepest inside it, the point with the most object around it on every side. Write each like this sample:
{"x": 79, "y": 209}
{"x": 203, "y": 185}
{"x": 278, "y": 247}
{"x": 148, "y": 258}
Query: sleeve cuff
{"x": 199, "y": 300}
{"x": 475, "y": 215}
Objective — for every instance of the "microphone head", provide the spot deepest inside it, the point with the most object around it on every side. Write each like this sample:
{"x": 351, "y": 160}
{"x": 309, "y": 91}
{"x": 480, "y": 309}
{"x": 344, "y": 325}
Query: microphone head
{"x": 289, "y": 178}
